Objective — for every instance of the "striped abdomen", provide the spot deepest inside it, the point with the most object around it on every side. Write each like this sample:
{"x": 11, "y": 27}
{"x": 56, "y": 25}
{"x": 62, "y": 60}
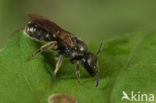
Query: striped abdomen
{"x": 38, "y": 33}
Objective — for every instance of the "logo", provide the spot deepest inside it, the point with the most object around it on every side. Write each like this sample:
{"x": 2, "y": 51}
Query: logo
{"x": 137, "y": 96}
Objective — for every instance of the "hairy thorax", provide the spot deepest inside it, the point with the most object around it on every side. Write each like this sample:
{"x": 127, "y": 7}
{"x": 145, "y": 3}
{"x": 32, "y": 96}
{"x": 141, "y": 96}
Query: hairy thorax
{"x": 77, "y": 51}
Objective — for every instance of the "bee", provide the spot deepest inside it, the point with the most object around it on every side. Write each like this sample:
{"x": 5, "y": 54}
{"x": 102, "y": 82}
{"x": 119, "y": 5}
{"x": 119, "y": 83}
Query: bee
{"x": 68, "y": 45}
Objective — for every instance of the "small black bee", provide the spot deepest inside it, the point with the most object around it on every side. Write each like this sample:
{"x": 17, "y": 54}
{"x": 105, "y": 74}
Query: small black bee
{"x": 67, "y": 45}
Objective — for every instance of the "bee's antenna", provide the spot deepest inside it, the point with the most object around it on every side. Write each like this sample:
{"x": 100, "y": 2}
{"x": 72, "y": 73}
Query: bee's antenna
{"x": 101, "y": 44}
{"x": 97, "y": 78}
{"x": 97, "y": 74}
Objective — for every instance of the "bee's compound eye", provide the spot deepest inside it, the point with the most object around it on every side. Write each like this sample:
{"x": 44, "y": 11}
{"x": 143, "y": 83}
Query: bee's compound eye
{"x": 88, "y": 62}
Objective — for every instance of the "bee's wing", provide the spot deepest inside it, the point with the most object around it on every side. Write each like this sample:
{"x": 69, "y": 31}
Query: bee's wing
{"x": 53, "y": 28}
{"x": 44, "y": 23}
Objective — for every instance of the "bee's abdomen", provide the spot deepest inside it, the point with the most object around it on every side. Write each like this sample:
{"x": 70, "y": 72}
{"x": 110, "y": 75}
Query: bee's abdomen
{"x": 38, "y": 33}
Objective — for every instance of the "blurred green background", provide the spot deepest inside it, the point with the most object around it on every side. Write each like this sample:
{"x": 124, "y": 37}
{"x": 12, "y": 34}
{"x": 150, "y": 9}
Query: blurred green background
{"x": 91, "y": 20}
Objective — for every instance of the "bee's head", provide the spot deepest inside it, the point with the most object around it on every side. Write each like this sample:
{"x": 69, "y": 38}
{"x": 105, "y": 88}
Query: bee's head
{"x": 89, "y": 62}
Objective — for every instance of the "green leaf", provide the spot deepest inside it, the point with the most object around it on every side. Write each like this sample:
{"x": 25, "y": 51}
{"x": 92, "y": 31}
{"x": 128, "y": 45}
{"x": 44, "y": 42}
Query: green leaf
{"x": 126, "y": 63}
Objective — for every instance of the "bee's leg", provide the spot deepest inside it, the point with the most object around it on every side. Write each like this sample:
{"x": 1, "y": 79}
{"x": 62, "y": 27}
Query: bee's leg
{"x": 50, "y": 46}
{"x": 78, "y": 72}
{"x": 58, "y": 65}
